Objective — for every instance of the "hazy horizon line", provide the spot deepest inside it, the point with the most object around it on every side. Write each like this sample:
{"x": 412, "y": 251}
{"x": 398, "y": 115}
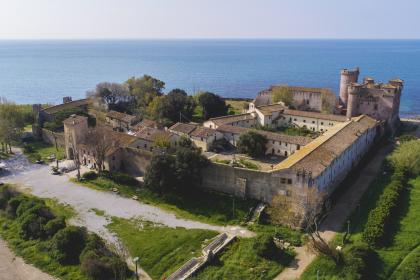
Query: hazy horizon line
{"x": 205, "y": 39}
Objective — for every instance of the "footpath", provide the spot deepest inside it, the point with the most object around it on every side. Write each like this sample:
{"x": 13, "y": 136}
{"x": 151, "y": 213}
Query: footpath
{"x": 333, "y": 223}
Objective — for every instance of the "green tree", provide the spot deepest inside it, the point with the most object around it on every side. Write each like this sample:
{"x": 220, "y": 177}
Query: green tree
{"x": 12, "y": 123}
{"x": 175, "y": 102}
{"x": 110, "y": 95}
{"x": 144, "y": 90}
{"x": 159, "y": 174}
{"x": 188, "y": 166}
{"x": 282, "y": 94}
{"x": 212, "y": 104}
{"x": 252, "y": 143}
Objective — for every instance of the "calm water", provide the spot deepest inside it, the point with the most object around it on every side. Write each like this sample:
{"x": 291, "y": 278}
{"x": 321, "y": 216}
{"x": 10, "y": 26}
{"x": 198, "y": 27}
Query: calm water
{"x": 44, "y": 71}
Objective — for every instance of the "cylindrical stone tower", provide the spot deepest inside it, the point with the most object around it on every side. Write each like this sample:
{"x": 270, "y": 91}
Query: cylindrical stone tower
{"x": 353, "y": 95}
{"x": 347, "y": 77}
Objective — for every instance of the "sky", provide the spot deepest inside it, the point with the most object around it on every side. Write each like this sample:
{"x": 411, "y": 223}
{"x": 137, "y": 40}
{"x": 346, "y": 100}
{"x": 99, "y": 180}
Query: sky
{"x": 179, "y": 19}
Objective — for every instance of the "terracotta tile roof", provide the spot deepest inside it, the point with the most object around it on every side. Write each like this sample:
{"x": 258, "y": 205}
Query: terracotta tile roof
{"x": 316, "y": 115}
{"x": 185, "y": 128}
{"x": 270, "y": 109}
{"x": 203, "y": 132}
{"x": 232, "y": 118}
{"x": 73, "y": 119}
{"x": 121, "y": 116}
{"x": 69, "y": 105}
{"x": 299, "y": 140}
{"x": 150, "y": 134}
{"x": 148, "y": 123}
{"x": 319, "y": 154}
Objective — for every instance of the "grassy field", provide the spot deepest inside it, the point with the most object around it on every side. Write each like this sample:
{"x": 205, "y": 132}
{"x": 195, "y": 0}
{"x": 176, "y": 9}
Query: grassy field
{"x": 400, "y": 252}
{"x": 207, "y": 207}
{"x": 43, "y": 150}
{"x": 36, "y": 252}
{"x": 161, "y": 250}
{"x": 239, "y": 261}
{"x": 236, "y": 106}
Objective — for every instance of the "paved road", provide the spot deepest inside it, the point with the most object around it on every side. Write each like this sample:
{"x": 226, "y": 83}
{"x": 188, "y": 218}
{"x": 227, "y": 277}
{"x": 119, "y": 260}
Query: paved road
{"x": 338, "y": 215}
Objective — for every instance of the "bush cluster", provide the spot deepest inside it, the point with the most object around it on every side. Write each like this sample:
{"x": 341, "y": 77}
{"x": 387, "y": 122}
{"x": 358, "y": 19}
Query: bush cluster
{"x": 120, "y": 178}
{"x": 380, "y": 217}
{"x": 358, "y": 261}
{"x": 90, "y": 175}
{"x": 69, "y": 245}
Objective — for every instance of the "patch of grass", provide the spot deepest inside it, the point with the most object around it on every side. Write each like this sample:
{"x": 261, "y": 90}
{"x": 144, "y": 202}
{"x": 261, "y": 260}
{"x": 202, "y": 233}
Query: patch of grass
{"x": 236, "y": 106}
{"x": 208, "y": 207}
{"x": 400, "y": 245}
{"x": 294, "y": 131}
{"x": 240, "y": 261}
{"x": 248, "y": 164}
{"x": 60, "y": 209}
{"x": 39, "y": 149}
{"x": 162, "y": 250}
{"x": 294, "y": 237}
{"x": 222, "y": 161}
{"x": 98, "y": 212}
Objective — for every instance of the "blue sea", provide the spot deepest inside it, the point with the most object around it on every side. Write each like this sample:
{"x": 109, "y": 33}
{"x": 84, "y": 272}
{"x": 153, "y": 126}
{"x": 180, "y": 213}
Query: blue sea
{"x": 45, "y": 71}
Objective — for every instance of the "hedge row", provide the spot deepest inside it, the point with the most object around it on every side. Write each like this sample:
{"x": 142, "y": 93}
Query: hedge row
{"x": 380, "y": 217}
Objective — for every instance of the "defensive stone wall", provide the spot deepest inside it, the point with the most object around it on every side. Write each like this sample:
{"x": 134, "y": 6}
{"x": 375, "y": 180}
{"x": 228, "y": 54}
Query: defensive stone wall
{"x": 135, "y": 161}
{"x": 50, "y": 137}
{"x": 242, "y": 182}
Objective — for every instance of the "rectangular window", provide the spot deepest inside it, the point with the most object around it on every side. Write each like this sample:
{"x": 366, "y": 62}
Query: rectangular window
{"x": 289, "y": 181}
{"x": 283, "y": 180}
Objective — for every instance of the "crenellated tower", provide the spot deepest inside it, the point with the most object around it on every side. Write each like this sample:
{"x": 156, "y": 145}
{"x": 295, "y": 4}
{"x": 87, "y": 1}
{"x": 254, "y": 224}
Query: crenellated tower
{"x": 348, "y": 76}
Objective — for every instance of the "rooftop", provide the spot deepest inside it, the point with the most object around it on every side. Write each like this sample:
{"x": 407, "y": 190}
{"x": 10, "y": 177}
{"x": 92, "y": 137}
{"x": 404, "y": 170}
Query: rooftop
{"x": 74, "y": 119}
{"x": 271, "y": 108}
{"x": 203, "y": 132}
{"x": 232, "y": 118}
{"x": 185, "y": 128}
{"x": 150, "y": 134}
{"x": 319, "y": 154}
{"x": 316, "y": 115}
{"x": 72, "y": 104}
{"x": 121, "y": 116}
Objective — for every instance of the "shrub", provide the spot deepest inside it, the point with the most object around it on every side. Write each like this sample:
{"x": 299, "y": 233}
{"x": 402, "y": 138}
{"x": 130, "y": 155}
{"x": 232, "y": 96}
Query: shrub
{"x": 119, "y": 178}
{"x": 13, "y": 205}
{"x": 265, "y": 247}
{"x": 91, "y": 175}
{"x": 53, "y": 226}
{"x": 358, "y": 260}
{"x": 67, "y": 244}
{"x": 98, "y": 262}
{"x": 380, "y": 217}
{"x": 28, "y": 148}
{"x": 406, "y": 156}
{"x": 32, "y": 226}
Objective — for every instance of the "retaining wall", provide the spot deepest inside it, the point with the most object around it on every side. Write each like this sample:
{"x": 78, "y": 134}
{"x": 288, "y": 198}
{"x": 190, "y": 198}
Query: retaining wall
{"x": 48, "y": 137}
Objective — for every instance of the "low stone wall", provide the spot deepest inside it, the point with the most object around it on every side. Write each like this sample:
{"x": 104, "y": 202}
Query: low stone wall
{"x": 48, "y": 137}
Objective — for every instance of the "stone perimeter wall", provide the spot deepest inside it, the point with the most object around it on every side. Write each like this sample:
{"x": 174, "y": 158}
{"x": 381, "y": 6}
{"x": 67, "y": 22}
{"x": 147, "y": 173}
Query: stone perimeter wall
{"x": 242, "y": 182}
{"x": 48, "y": 137}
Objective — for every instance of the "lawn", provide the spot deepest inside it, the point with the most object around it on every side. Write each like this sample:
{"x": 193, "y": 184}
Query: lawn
{"x": 161, "y": 250}
{"x": 405, "y": 241}
{"x": 236, "y": 106}
{"x": 239, "y": 261}
{"x": 39, "y": 149}
{"x": 36, "y": 252}
{"x": 208, "y": 207}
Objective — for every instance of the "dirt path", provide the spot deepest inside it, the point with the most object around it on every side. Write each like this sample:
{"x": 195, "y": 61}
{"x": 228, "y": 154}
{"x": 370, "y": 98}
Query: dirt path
{"x": 338, "y": 215}
{"x": 15, "y": 268}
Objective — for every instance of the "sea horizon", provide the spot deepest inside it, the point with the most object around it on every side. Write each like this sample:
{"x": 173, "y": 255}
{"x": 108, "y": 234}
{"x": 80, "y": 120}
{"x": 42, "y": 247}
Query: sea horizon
{"x": 45, "y": 70}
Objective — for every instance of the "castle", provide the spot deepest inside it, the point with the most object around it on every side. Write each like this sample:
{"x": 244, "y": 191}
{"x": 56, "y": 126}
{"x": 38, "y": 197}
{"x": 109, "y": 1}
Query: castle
{"x": 338, "y": 140}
